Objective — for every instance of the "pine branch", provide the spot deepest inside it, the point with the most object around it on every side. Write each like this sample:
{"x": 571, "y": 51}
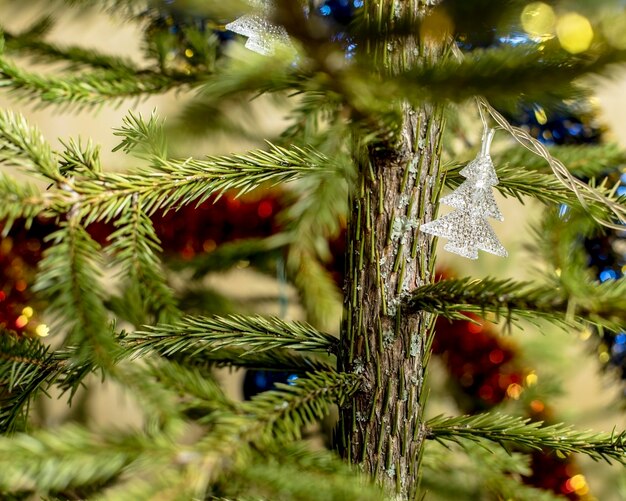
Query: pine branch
{"x": 127, "y": 8}
{"x": 524, "y": 433}
{"x": 160, "y": 486}
{"x": 480, "y": 470}
{"x": 26, "y": 367}
{"x": 29, "y": 368}
{"x": 285, "y": 481}
{"x": 132, "y": 9}
{"x": 136, "y": 248}
{"x": 285, "y": 411}
{"x": 453, "y": 298}
{"x": 144, "y": 138}
{"x": 90, "y": 89}
{"x": 165, "y": 184}
{"x": 253, "y": 334}
{"x": 281, "y": 360}
{"x": 173, "y": 183}
{"x": 582, "y": 160}
{"x": 281, "y": 413}
{"x": 77, "y": 158}
{"x": 245, "y": 73}
{"x": 504, "y": 72}
{"x": 71, "y": 457}
{"x": 278, "y": 414}
{"x": 19, "y": 201}
{"x": 203, "y": 395}
{"x": 30, "y": 43}
{"x": 22, "y": 145}
{"x": 68, "y": 279}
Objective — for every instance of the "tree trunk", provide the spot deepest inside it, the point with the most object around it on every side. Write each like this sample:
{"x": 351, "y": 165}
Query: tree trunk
{"x": 399, "y": 184}
{"x": 388, "y": 257}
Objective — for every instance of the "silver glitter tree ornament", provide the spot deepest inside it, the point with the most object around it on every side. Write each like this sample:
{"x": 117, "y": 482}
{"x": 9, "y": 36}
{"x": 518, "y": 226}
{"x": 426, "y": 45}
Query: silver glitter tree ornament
{"x": 262, "y": 35}
{"x": 467, "y": 227}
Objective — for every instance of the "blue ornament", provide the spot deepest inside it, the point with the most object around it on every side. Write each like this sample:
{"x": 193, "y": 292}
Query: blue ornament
{"x": 557, "y": 127}
{"x": 258, "y": 381}
{"x": 340, "y": 11}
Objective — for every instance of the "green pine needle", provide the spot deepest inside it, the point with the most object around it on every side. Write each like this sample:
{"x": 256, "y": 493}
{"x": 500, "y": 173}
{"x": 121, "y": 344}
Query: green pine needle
{"x": 26, "y": 368}
{"x": 49, "y": 461}
{"x": 136, "y": 248}
{"x": 110, "y": 86}
{"x": 253, "y": 334}
{"x": 505, "y": 429}
{"x": 509, "y": 301}
{"x": 68, "y": 280}
{"x": 173, "y": 183}
{"x": 30, "y": 43}
{"x": 286, "y": 411}
{"x": 22, "y": 145}
{"x": 19, "y": 201}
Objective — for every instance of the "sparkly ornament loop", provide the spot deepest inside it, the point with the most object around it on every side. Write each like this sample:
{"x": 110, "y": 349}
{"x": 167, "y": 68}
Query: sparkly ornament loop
{"x": 467, "y": 227}
{"x": 582, "y": 190}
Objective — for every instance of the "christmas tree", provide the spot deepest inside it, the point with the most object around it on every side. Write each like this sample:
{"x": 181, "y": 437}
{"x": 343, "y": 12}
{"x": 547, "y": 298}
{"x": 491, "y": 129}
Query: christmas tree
{"x": 372, "y": 92}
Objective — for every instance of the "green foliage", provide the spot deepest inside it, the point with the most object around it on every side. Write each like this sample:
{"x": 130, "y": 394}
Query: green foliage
{"x": 147, "y": 137}
{"x": 171, "y": 183}
{"x": 532, "y": 434}
{"x": 475, "y": 469}
{"x": 528, "y": 71}
{"x": 583, "y": 161}
{"x": 509, "y": 300}
{"x": 24, "y": 146}
{"x": 72, "y": 457}
{"x": 68, "y": 280}
{"x": 19, "y": 201}
{"x": 30, "y": 43}
{"x": 93, "y": 89}
{"x": 135, "y": 246}
{"x": 26, "y": 368}
{"x": 254, "y": 333}
{"x": 244, "y": 341}
{"x": 285, "y": 411}
{"x": 285, "y": 481}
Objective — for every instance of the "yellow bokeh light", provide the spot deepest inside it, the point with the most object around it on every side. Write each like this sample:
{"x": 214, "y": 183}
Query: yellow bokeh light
{"x": 604, "y": 357}
{"x": 538, "y": 20}
{"x": 28, "y": 312}
{"x": 42, "y": 330}
{"x": 540, "y": 115}
{"x": 574, "y": 32}
{"x": 188, "y": 53}
{"x": 578, "y": 482}
{"x": 531, "y": 379}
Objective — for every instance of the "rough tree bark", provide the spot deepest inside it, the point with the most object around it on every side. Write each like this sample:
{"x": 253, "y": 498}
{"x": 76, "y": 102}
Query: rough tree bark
{"x": 387, "y": 256}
